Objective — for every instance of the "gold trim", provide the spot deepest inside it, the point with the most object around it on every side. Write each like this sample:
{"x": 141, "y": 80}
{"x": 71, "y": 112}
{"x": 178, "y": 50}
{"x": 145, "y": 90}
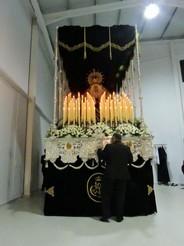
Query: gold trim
{"x": 50, "y": 191}
{"x": 99, "y": 48}
{"x": 95, "y": 48}
{"x": 123, "y": 48}
{"x": 89, "y": 189}
{"x": 73, "y": 48}
{"x": 95, "y": 77}
{"x": 150, "y": 189}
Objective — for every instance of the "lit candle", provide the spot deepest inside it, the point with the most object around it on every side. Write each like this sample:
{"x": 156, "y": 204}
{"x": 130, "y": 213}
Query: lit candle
{"x": 73, "y": 110}
{"x": 82, "y": 111}
{"x": 69, "y": 99}
{"x": 76, "y": 110}
{"x": 121, "y": 113}
{"x": 126, "y": 113}
{"x": 89, "y": 114}
{"x": 118, "y": 108}
{"x": 69, "y": 115}
{"x": 105, "y": 113}
{"x": 93, "y": 111}
{"x": 132, "y": 113}
{"x": 65, "y": 111}
{"x": 108, "y": 112}
{"x": 64, "y": 115}
{"x": 109, "y": 100}
{"x": 123, "y": 102}
{"x": 79, "y": 116}
{"x": 84, "y": 104}
{"x": 87, "y": 108}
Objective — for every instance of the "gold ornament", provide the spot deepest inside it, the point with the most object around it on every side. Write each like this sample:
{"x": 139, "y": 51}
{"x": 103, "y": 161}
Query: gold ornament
{"x": 95, "y": 77}
{"x": 150, "y": 189}
{"x": 50, "y": 191}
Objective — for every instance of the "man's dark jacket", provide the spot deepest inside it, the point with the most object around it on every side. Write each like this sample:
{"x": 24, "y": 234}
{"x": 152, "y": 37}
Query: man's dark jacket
{"x": 117, "y": 157}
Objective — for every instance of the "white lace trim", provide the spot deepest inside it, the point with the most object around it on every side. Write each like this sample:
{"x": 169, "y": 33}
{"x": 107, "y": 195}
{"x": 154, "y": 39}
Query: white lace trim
{"x": 70, "y": 149}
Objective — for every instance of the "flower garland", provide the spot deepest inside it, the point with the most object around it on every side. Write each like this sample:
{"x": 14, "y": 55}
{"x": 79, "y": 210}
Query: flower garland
{"x": 100, "y": 129}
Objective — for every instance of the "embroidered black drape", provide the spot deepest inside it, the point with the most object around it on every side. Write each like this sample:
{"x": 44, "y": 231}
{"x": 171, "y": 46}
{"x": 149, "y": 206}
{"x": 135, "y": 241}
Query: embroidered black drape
{"x": 107, "y": 50}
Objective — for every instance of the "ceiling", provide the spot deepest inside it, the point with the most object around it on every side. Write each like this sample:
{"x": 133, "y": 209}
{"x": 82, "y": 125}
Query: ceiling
{"x": 168, "y": 25}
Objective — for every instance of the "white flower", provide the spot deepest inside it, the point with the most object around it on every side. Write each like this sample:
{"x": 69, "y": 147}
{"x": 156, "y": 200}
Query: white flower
{"x": 128, "y": 129}
{"x": 100, "y": 129}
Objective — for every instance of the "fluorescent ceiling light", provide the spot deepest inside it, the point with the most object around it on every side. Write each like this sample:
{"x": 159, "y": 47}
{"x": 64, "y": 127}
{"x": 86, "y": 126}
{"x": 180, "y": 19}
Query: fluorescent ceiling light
{"x": 151, "y": 11}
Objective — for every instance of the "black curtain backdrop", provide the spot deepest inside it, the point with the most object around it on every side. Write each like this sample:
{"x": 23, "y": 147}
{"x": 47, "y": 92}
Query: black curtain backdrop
{"x": 77, "y": 68}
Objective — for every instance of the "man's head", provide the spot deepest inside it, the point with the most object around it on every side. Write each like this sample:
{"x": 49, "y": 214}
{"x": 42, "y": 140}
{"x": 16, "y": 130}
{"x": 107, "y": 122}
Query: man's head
{"x": 116, "y": 138}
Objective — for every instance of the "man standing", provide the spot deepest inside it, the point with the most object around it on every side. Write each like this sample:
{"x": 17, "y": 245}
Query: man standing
{"x": 117, "y": 157}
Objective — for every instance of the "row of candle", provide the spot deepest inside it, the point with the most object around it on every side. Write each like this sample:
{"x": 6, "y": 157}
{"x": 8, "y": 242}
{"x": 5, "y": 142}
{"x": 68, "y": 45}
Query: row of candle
{"x": 80, "y": 110}
{"x": 114, "y": 109}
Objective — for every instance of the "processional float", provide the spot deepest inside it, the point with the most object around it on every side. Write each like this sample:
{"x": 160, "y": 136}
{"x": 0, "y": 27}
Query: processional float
{"x": 97, "y": 92}
{"x": 87, "y": 103}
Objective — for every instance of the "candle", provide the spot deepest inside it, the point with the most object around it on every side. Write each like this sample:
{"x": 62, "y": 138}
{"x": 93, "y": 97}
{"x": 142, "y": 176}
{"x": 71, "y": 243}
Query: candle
{"x": 118, "y": 108}
{"x": 132, "y": 113}
{"x": 121, "y": 114}
{"x": 84, "y": 105}
{"x": 75, "y": 104}
{"x": 65, "y": 111}
{"x": 64, "y": 115}
{"x": 82, "y": 111}
{"x": 111, "y": 111}
{"x": 79, "y": 103}
{"x": 93, "y": 111}
{"x": 89, "y": 114}
{"x": 126, "y": 113}
{"x": 101, "y": 112}
{"x": 69, "y": 115}
{"x": 87, "y": 108}
{"x": 106, "y": 113}
{"x": 107, "y": 107}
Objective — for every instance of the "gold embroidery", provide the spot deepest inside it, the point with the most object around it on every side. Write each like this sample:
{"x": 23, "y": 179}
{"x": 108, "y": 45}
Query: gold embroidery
{"x": 94, "y": 187}
{"x": 68, "y": 146}
{"x": 150, "y": 189}
{"x": 50, "y": 191}
{"x": 73, "y": 48}
{"x": 99, "y": 48}
{"x": 123, "y": 48}
{"x": 95, "y": 77}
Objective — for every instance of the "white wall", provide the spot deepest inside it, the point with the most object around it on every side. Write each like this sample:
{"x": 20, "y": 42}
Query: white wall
{"x": 13, "y": 107}
{"x": 44, "y": 109}
{"x": 162, "y": 99}
{"x": 15, "y": 40}
{"x": 15, "y": 25}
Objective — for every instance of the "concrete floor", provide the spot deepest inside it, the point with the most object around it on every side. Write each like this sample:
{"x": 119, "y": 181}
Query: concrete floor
{"x": 22, "y": 224}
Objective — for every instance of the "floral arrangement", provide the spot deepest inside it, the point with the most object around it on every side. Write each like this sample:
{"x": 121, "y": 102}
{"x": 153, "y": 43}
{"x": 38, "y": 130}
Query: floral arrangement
{"x": 128, "y": 129}
{"x": 101, "y": 129}
{"x": 72, "y": 130}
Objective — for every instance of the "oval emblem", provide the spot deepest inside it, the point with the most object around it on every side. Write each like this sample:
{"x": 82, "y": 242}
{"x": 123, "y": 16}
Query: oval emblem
{"x": 94, "y": 187}
{"x": 68, "y": 146}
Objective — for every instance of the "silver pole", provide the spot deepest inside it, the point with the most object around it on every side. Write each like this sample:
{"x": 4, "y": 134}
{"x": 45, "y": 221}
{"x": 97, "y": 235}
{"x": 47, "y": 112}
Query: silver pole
{"x": 133, "y": 86}
{"x": 139, "y": 74}
{"x": 61, "y": 87}
{"x": 60, "y": 109}
{"x": 55, "y": 81}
